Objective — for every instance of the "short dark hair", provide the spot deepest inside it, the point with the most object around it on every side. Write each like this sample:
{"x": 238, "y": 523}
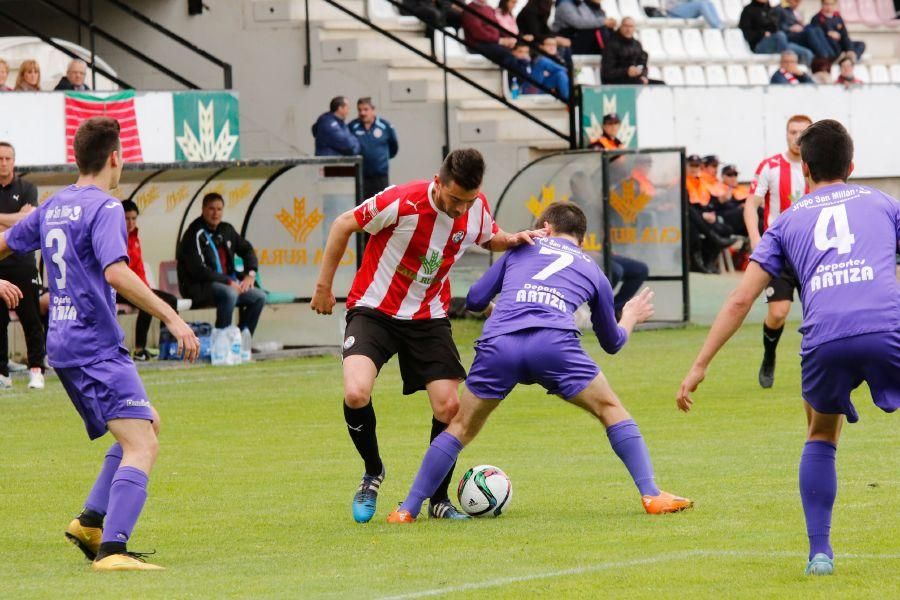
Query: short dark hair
{"x": 827, "y": 149}
{"x": 465, "y": 167}
{"x": 365, "y": 100}
{"x": 8, "y": 145}
{"x": 130, "y": 206}
{"x": 95, "y": 140}
{"x": 212, "y": 197}
{"x": 565, "y": 218}
{"x": 336, "y": 103}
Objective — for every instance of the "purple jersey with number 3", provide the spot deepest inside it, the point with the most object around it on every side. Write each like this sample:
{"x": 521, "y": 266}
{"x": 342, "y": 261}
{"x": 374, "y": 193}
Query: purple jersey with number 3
{"x": 841, "y": 241}
{"x": 80, "y": 232}
{"x": 541, "y": 286}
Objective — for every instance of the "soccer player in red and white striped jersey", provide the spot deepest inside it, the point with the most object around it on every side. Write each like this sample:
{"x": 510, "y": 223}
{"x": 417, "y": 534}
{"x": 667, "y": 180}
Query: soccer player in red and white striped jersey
{"x": 399, "y": 300}
{"x": 778, "y": 182}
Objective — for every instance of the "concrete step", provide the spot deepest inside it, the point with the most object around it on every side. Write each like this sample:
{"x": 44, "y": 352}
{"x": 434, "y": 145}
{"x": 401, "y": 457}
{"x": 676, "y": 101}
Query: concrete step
{"x": 369, "y": 48}
{"x": 274, "y": 11}
{"x": 428, "y": 90}
{"x": 348, "y": 27}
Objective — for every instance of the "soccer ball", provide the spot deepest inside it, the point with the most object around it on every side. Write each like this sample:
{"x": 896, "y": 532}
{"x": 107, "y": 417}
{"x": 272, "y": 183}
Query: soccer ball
{"x": 484, "y": 491}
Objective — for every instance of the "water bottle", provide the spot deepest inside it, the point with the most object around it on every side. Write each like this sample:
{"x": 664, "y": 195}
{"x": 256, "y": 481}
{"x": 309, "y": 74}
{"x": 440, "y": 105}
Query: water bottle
{"x": 246, "y": 352}
{"x": 233, "y": 335}
{"x": 514, "y": 88}
{"x": 219, "y": 353}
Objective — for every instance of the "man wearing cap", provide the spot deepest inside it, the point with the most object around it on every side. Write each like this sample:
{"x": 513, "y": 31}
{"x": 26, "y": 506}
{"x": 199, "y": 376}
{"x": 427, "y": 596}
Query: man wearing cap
{"x": 609, "y": 141}
{"x": 707, "y": 235}
{"x": 730, "y": 204}
{"x": 709, "y": 175}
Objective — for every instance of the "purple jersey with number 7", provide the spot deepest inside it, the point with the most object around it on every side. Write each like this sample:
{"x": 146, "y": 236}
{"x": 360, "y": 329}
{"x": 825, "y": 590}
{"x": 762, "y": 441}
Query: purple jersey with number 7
{"x": 80, "y": 232}
{"x": 842, "y": 241}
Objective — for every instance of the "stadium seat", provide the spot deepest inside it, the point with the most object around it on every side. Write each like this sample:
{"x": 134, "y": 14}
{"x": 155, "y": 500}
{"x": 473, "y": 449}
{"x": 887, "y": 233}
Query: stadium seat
{"x": 733, "y": 10}
{"x": 757, "y": 75}
{"x": 715, "y": 75}
{"x": 715, "y": 45}
{"x": 720, "y": 8}
{"x": 654, "y": 72}
{"x": 652, "y": 44}
{"x": 672, "y": 75}
{"x": 693, "y": 45}
{"x": 693, "y": 75}
{"x": 849, "y": 11}
{"x": 862, "y": 73}
{"x": 737, "y": 46}
{"x": 737, "y": 75}
{"x": 631, "y": 8}
{"x": 671, "y": 40}
{"x": 879, "y": 74}
{"x": 584, "y": 75}
{"x": 868, "y": 12}
{"x": 887, "y": 12}
{"x": 610, "y": 7}
{"x": 895, "y": 73}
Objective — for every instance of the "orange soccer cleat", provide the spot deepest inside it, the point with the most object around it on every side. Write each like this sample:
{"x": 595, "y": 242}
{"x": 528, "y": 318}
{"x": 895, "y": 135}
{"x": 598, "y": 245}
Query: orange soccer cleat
{"x": 400, "y": 516}
{"x": 665, "y": 503}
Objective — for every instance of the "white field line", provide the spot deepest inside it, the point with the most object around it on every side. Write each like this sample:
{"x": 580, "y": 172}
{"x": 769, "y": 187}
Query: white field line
{"x": 660, "y": 558}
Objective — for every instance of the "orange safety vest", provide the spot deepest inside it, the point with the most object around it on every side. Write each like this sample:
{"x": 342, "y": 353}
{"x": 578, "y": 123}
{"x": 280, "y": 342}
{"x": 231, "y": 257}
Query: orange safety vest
{"x": 697, "y": 192}
{"x": 608, "y": 143}
{"x": 713, "y": 185}
{"x": 646, "y": 186}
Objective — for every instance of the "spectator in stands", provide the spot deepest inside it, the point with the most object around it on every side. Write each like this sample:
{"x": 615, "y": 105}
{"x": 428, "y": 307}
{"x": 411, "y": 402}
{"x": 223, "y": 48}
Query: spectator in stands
{"x": 790, "y": 21}
{"x": 549, "y": 73}
{"x": 4, "y": 75}
{"x": 759, "y": 24}
{"x": 691, "y": 9}
{"x": 518, "y": 85}
{"x": 483, "y": 37}
{"x": 506, "y": 19}
{"x": 709, "y": 175}
{"x": 29, "y": 77}
{"x": 378, "y": 144}
{"x": 609, "y": 140}
{"x": 829, "y": 21}
{"x": 534, "y": 21}
{"x": 707, "y": 235}
{"x": 74, "y": 78}
{"x": 333, "y": 138}
{"x": 624, "y": 60}
{"x": 136, "y": 264}
{"x": 17, "y": 199}
{"x": 821, "y": 70}
{"x": 847, "y": 78}
{"x": 434, "y": 13}
{"x": 789, "y": 72}
{"x": 206, "y": 270}
{"x": 585, "y": 23}
{"x": 730, "y": 203}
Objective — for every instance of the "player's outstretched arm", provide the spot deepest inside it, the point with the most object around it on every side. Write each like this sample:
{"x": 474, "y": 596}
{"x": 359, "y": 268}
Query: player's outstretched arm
{"x": 729, "y": 319}
{"x": 344, "y": 226}
{"x": 478, "y": 300}
{"x": 10, "y": 293}
{"x": 637, "y": 310}
{"x": 125, "y": 282}
{"x": 503, "y": 241}
{"x": 751, "y": 218}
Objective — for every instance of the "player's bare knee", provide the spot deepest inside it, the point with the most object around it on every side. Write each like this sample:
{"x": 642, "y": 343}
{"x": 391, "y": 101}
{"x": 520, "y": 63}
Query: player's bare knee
{"x": 778, "y": 314}
{"x": 446, "y": 409}
{"x": 357, "y": 396}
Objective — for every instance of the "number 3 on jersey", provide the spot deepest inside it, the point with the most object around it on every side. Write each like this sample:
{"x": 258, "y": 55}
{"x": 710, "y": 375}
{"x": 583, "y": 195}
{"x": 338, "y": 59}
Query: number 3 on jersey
{"x": 843, "y": 240}
{"x": 56, "y": 240}
{"x": 565, "y": 259}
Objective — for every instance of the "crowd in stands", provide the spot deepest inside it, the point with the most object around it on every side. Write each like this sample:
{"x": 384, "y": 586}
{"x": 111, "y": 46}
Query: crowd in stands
{"x": 29, "y": 77}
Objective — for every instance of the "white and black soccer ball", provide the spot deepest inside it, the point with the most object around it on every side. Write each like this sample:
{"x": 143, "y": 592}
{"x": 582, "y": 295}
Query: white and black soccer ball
{"x": 484, "y": 491}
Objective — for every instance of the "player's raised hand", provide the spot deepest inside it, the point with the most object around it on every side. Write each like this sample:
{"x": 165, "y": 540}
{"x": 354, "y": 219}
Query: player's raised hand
{"x": 688, "y": 386}
{"x": 10, "y": 293}
{"x": 640, "y": 307}
{"x": 188, "y": 344}
{"x": 527, "y": 237}
{"x": 323, "y": 300}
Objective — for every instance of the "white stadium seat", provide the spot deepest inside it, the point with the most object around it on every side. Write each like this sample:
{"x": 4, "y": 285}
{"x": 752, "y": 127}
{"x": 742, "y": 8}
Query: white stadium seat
{"x": 715, "y": 75}
{"x": 757, "y": 75}
{"x": 652, "y": 44}
{"x": 693, "y": 44}
{"x": 717, "y": 4}
{"x": 736, "y": 45}
{"x": 693, "y": 75}
{"x": 671, "y": 40}
{"x": 673, "y": 75}
{"x": 733, "y": 10}
{"x": 715, "y": 45}
{"x": 895, "y": 73}
{"x": 382, "y": 10}
{"x": 737, "y": 75}
{"x": 862, "y": 73}
{"x": 879, "y": 74}
{"x": 653, "y": 72}
{"x": 610, "y": 7}
{"x": 454, "y": 48}
{"x": 632, "y": 8}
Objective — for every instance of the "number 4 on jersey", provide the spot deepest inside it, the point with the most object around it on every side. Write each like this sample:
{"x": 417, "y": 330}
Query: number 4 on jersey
{"x": 843, "y": 240}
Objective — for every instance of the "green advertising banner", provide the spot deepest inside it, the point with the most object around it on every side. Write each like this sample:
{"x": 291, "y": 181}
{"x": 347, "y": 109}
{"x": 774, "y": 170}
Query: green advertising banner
{"x": 207, "y": 126}
{"x": 599, "y": 101}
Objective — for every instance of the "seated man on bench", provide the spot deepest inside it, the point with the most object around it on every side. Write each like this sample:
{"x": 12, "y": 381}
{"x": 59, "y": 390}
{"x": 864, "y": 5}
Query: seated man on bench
{"x": 206, "y": 272}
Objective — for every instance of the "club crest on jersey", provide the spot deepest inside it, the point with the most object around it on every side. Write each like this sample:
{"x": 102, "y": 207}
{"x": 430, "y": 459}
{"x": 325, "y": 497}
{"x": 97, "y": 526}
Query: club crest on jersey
{"x": 458, "y": 236}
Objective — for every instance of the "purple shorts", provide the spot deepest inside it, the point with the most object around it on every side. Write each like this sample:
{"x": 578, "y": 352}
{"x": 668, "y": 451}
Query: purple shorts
{"x": 106, "y": 390}
{"x": 552, "y": 358}
{"x": 834, "y": 369}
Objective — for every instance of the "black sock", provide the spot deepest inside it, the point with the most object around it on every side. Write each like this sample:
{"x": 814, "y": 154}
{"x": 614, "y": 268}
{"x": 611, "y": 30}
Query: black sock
{"x": 109, "y": 548}
{"x": 441, "y": 493}
{"x": 770, "y": 340}
{"x": 90, "y": 518}
{"x": 361, "y": 426}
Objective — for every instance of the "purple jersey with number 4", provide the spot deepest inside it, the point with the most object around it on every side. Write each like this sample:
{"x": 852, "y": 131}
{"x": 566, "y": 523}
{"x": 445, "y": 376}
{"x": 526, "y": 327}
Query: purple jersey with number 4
{"x": 80, "y": 232}
{"x": 541, "y": 286}
{"x": 841, "y": 241}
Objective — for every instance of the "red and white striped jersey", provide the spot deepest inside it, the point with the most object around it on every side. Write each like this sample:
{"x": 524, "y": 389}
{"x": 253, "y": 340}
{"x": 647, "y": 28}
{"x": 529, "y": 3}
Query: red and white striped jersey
{"x": 780, "y": 182}
{"x": 412, "y": 248}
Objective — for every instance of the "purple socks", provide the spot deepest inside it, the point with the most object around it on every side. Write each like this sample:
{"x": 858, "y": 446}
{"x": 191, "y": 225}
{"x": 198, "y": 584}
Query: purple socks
{"x": 127, "y": 495}
{"x": 435, "y": 466}
{"x": 818, "y": 489}
{"x": 98, "y": 499}
{"x": 627, "y": 442}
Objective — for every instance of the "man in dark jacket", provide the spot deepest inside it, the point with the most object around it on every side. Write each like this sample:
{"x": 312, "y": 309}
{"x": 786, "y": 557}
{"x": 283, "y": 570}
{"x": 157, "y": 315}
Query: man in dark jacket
{"x": 74, "y": 78}
{"x": 483, "y": 36}
{"x": 760, "y": 28}
{"x": 624, "y": 60}
{"x": 378, "y": 144}
{"x": 333, "y": 138}
{"x": 789, "y": 72}
{"x": 206, "y": 271}
{"x": 830, "y": 22}
{"x": 812, "y": 37}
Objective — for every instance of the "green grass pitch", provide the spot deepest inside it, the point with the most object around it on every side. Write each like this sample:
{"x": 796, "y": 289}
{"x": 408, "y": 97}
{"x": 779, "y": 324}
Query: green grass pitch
{"x": 250, "y": 497}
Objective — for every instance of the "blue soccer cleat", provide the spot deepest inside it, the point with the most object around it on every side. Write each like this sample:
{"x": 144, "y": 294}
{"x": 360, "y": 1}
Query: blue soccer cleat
{"x": 820, "y": 565}
{"x": 366, "y": 497}
{"x": 445, "y": 510}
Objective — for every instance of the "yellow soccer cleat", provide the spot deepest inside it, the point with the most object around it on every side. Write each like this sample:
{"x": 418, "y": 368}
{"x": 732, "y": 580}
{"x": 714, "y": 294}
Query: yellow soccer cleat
{"x": 129, "y": 561}
{"x": 665, "y": 503}
{"x": 87, "y": 539}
